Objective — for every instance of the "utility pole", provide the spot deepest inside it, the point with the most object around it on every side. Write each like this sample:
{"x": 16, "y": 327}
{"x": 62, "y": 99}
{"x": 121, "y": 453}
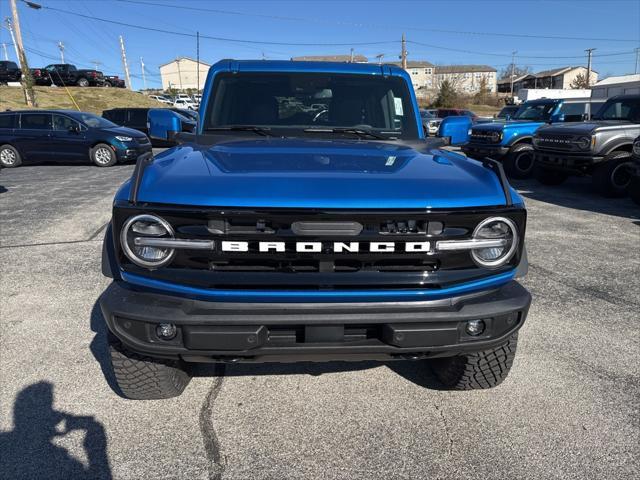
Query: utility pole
{"x": 351, "y": 56}
{"x": 124, "y": 63}
{"x": 380, "y": 56}
{"x": 7, "y": 21}
{"x": 61, "y": 47}
{"x": 144, "y": 78}
{"x": 589, "y": 51}
{"x": 27, "y": 80}
{"x": 403, "y": 53}
{"x": 179, "y": 72}
{"x": 4, "y": 49}
{"x": 513, "y": 70}
{"x": 97, "y": 64}
{"x": 198, "y": 61}
{"x": 637, "y": 60}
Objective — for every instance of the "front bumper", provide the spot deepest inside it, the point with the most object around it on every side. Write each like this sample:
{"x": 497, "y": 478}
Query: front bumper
{"x": 219, "y": 331}
{"x": 565, "y": 162}
{"x": 483, "y": 151}
{"x": 131, "y": 152}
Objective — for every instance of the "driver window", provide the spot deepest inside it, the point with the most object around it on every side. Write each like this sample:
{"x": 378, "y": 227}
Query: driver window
{"x": 62, "y": 123}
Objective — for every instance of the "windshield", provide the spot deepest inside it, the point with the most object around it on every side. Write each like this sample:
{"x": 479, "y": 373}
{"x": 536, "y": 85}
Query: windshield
{"x": 507, "y": 111}
{"x": 93, "y": 121}
{"x": 628, "y": 109}
{"x": 540, "y": 112}
{"x": 295, "y": 102}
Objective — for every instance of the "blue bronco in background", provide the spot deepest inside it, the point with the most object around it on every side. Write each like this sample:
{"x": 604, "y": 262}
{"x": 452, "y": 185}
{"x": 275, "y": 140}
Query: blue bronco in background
{"x": 308, "y": 218}
{"x": 511, "y": 141}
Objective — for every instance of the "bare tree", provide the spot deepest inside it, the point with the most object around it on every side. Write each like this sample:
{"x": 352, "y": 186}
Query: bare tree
{"x": 580, "y": 82}
{"x": 518, "y": 71}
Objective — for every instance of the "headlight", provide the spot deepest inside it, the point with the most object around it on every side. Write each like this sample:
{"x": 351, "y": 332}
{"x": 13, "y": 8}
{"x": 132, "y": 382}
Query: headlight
{"x": 496, "y": 137}
{"x": 132, "y": 236}
{"x": 636, "y": 148}
{"x": 504, "y": 234}
{"x": 584, "y": 143}
{"x": 124, "y": 139}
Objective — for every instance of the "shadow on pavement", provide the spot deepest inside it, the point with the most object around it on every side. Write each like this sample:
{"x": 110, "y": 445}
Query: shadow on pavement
{"x": 576, "y": 193}
{"x": 100, "y": 347}
{"x": 3, "y": 189}
{"x": 28, "y": 450}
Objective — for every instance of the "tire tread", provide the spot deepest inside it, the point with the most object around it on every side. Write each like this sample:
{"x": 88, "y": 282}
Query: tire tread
{"x": 478, "y": 370}
{"x": 140, "y": 377}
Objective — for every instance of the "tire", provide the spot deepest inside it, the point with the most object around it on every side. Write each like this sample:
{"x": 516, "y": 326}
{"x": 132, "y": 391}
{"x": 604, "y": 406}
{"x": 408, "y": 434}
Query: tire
{"x": 547, "y": 176}
{"x": 478, "y": 370}
{"x": 82, "y": 82}
{"x": 634, "y": 189}
{"x": 612, "y": 177}
{"x": 144, "y": 378}
{"x": 519, "y": 162}
{"x": 9, "y": 157}
{"x": 103, "y": 155}
{"x": 106, "y": 84}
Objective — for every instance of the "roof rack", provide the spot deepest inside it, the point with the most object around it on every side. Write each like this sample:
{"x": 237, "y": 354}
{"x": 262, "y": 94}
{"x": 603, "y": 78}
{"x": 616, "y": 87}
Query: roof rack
{"x": 497, "y": 168}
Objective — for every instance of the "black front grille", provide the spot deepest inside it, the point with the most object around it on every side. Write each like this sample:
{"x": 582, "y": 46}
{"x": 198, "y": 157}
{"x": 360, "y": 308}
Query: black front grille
{"x": 326, "y": 268}
{"x": 559, "y": 142}
{"x": 482, "y": 137}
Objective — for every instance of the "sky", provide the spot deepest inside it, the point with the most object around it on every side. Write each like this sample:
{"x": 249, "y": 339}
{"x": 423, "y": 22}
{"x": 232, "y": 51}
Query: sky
{"x": 443, "y": 32}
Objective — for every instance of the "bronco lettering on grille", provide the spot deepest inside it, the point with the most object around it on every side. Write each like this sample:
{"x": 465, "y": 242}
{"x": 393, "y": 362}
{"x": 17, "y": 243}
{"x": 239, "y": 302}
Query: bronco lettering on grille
{"x": 318, "y": 247}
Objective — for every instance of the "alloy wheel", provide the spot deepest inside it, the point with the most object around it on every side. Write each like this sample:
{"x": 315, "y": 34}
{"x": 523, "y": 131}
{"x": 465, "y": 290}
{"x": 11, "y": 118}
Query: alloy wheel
{"x": 102, "y": 156}
{"x": 7, "y": 157}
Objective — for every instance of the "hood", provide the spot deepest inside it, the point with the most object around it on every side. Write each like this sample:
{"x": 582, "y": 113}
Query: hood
{"x": 125, "y": 131}
{"x": 311, "y": 173}
{"x": 583, "y": 128}
{"x": 500, "y": 125}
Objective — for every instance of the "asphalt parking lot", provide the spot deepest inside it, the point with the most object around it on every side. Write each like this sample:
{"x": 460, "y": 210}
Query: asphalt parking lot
{"x": 569, "y": 409}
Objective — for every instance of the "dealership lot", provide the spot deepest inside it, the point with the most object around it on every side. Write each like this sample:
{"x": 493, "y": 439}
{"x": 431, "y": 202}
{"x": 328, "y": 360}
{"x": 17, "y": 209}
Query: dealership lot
{"x": 568, "y": 410}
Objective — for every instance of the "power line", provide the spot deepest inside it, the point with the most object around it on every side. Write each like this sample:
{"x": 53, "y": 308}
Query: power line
{"x": 371, "y": 25}
{"x": 472, "y": 52}
{"x": 221, "y": 39}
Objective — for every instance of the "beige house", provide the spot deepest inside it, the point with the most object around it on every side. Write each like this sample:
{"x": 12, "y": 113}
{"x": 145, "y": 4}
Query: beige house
{"x": 421, "y": 73}
{"x": 557, "y": 78}
{"x": 467, "y": 78}
{"x": 182, "y": 74}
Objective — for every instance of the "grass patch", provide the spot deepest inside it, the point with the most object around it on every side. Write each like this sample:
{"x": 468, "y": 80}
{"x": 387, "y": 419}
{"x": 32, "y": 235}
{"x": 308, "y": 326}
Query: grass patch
{"x": 89, "y": 99}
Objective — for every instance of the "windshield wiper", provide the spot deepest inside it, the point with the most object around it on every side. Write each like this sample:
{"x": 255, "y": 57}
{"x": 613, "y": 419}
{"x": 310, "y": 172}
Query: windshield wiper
{"x": 264, "y": 131}
{"x": 360, "y": 132}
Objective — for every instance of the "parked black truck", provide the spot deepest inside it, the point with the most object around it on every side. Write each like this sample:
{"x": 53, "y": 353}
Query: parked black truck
{"x": 600, "y": 148}
{"x": 9, "y": 72}
{"x": 114, "y": 81}
{"x": 62, "y": 74}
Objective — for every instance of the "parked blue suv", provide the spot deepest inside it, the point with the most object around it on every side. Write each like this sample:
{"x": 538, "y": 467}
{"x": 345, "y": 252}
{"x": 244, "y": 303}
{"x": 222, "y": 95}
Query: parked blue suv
{"x": 279, "y": 231}
{"x": 511, "y": 141}
{"x": 66, "y": 136}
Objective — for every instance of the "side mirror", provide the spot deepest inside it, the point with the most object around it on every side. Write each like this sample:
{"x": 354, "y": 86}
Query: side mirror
{"x": 164, "y": 124}
{"x": 456, "y": 129}
{"x": 556, "y": 118}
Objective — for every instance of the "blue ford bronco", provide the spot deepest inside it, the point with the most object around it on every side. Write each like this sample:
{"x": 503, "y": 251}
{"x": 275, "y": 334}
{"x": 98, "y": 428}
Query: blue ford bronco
{"x": 511, "y": 141}
{"x": 308, "y": 219}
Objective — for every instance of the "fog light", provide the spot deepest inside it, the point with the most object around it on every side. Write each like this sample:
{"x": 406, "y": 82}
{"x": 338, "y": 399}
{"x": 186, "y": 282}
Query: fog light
{"x": 475, "y": 327}
{"x": 166, "y": 331}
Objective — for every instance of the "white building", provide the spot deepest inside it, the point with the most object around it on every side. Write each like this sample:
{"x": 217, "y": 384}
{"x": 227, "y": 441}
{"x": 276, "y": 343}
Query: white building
{"x": 421, "y": 73}
{"x": 467, "y": 78}
{"x": 182, "y": 74}
{"x": 623, "y": 84}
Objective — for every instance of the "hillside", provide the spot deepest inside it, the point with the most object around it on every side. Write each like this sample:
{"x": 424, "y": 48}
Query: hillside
{"x": 90, "y": 99}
